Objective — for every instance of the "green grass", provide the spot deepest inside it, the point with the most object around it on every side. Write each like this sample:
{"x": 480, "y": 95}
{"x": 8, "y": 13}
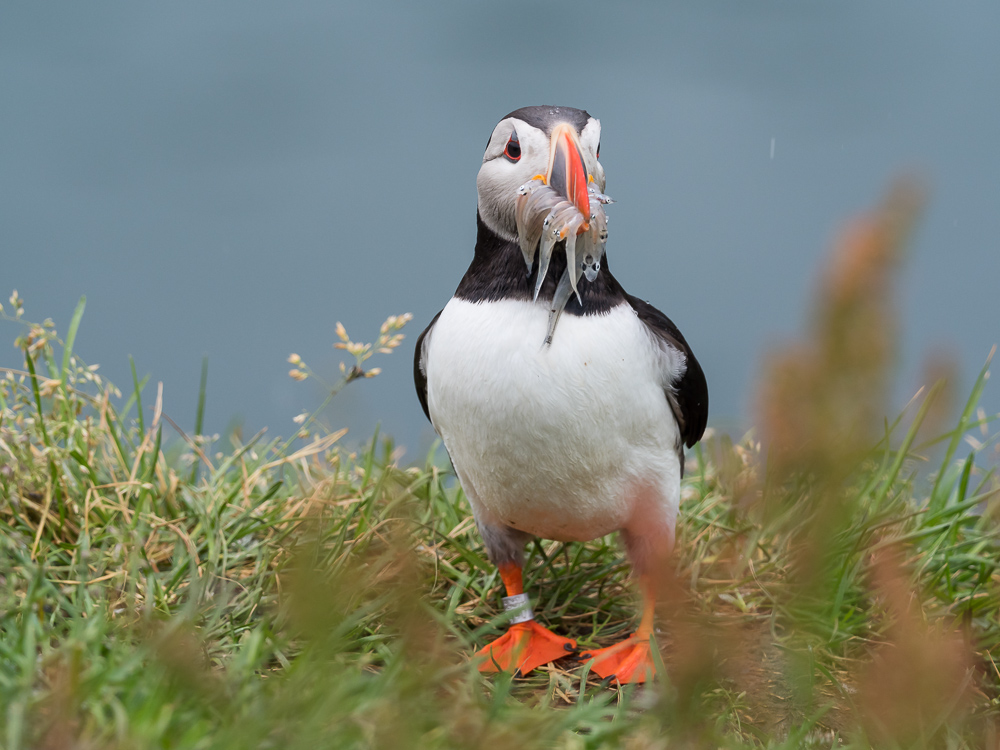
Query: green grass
{"x": 162, "y": 593}
{"x": 295, "y": 596}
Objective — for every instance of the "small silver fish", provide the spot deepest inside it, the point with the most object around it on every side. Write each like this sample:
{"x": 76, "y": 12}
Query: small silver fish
{"x": 546, "y": 218}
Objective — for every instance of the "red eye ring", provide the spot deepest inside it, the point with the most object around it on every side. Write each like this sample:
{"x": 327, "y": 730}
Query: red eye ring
{"x": 513, "y": 148}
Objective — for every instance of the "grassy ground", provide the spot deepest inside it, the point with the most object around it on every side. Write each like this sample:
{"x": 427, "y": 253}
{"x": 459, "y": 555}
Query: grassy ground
{"x": 844, "y": 590}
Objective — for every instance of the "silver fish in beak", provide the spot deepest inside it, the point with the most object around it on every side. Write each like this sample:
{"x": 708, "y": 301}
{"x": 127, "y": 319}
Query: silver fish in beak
{"x": 562, "y": 207}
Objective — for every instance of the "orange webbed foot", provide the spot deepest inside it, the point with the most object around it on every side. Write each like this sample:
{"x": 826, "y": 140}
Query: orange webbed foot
{"x": 524, "y": 646}
{"x": 628, "y": 661}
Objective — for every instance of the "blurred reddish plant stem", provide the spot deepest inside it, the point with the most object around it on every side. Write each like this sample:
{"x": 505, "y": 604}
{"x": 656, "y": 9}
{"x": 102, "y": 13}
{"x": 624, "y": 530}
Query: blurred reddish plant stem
{"x": 921, "y": 677}
{"x": 822, "y": 402}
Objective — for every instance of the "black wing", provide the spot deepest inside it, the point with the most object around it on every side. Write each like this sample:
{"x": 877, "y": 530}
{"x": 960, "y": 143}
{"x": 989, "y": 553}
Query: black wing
{"x": 689, "y": 396}
{"x": 419, "y": 371}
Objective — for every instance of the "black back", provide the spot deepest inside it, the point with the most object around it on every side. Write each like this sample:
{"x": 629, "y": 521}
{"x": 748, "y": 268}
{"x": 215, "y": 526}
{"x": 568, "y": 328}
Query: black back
{"x": 689, "y": 396}
{"x": 419, "y": 376}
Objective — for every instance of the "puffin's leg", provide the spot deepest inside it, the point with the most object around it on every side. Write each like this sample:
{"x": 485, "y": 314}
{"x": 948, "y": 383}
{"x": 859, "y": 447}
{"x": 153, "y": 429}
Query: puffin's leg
{"x": 630, "y": 660}
{"x": 526, "y": 644}
{"x": 648, "y": 540}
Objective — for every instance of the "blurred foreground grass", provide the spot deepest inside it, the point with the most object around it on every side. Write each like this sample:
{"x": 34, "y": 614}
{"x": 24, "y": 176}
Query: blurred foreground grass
{"x": 837, "y": 577}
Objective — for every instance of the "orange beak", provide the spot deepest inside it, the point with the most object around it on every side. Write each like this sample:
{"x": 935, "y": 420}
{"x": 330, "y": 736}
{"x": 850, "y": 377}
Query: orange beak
{"x": 567, "y": 172}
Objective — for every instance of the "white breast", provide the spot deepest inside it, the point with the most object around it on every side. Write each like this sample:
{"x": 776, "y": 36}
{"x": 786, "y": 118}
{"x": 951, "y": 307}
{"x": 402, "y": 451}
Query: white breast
{"x": 557, "y": 441}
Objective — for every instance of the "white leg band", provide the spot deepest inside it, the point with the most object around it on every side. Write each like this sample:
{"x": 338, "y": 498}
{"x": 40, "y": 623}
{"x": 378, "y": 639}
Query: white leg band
{"x": 518, "y": 603}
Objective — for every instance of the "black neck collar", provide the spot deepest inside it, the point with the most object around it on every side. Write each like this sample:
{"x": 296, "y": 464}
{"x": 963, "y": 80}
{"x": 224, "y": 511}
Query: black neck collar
{"x": 498, "y": 272}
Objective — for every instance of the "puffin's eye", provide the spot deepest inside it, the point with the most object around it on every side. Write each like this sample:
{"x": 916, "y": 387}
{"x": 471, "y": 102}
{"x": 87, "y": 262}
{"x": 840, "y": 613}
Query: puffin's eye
{"x": 513, "y": 149}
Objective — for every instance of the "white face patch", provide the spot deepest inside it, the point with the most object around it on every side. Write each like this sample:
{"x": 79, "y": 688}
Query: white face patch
{"x": 499, "y": 177}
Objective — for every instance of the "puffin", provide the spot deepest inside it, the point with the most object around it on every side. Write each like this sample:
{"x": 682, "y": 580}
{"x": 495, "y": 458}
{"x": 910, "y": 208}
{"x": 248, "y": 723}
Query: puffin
{"x": 564, "y": 403}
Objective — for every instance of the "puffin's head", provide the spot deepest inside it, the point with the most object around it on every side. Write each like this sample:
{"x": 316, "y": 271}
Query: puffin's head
{"x": 560, "y": 143}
